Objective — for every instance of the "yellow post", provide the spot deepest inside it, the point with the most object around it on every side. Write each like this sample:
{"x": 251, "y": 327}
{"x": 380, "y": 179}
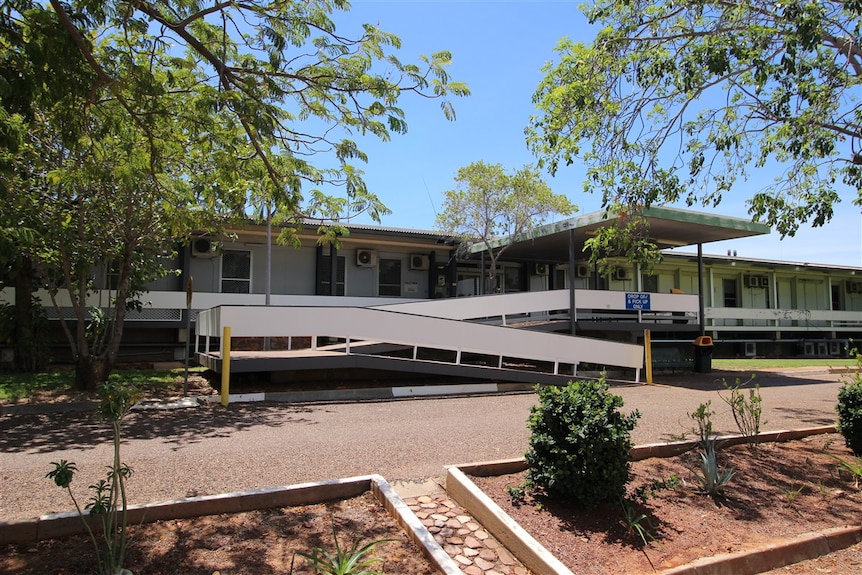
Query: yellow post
{"x": 225, "y": 366}
{"x": 648, "y": 355}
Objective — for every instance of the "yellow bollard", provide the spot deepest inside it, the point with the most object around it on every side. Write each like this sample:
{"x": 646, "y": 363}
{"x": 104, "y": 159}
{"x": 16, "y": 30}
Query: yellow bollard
{"x": 648, "y": 355}
{"x": 225, "y": 366}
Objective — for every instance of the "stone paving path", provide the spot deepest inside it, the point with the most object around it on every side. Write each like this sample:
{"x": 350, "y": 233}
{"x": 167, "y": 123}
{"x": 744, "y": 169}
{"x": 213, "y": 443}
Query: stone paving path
{"x": 475, "y": 550}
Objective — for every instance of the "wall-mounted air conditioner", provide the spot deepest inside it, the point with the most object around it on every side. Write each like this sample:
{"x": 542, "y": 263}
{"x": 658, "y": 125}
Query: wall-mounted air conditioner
{"x": 835, "y": 348}
{"x": 750, "y": 349}
{"x": 582, "y": 271}
{"x": 366, "y": 258}
{"x": 853, "y": 287}
{"x": 756, "y": 281}
{"x": 205, "y": 248}
{"x": 621, "y": 274}
{"x": 542, "y": 269}
{"x": 419, "y": 262}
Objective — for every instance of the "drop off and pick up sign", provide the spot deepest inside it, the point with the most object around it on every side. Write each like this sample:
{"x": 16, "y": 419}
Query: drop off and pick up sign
{"x": 639, "y": 301}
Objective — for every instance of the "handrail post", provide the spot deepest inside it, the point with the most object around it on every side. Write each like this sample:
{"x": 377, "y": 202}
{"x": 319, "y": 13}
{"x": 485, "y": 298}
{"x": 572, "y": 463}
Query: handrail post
{"x": 225, "y": 366}
{"x": 648, "y": 355}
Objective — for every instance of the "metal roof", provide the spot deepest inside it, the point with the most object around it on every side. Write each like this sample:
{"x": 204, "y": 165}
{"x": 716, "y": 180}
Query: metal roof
{"x": 669, "y": 228}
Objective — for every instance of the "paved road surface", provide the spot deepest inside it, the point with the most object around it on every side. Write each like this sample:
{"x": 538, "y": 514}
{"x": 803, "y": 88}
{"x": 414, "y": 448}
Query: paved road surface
{"x": 212, "y": 449}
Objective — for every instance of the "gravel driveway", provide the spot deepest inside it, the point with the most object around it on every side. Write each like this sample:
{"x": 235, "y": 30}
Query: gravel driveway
{"x": 211, "y": 449}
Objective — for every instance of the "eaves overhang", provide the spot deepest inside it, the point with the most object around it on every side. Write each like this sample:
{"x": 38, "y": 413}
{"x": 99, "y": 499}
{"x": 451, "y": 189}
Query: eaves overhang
{"x": 669, "y": 228}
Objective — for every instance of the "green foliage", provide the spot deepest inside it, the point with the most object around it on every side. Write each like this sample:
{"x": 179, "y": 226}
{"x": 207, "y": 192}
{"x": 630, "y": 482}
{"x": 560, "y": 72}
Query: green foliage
{"x": 851, "y": 465}
{"x": 636, "y": 523}
{"x": 108, "y": 502}
{"x": 629, "y": 239}
{"x": 677, "y": 102}
{"x": 490, "y": 207}
{"x": 127, "y": 126}
{"x": 746, "y": 411}
{"x": 344, "y": 561}
{"x": 517, "y": 493}
{"x": 579, "y": 443}
{"x": 849, "y": 407}
{"x": 712, "y": 479}
{"x": 791, "y": 494}
{"x": 646, "y": 491}
{"x": 702, "y": 417}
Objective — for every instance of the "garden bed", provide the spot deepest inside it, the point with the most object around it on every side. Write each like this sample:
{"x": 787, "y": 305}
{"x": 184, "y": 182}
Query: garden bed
{"x": 778, "y": 491}
{"x": 255, "y": 541}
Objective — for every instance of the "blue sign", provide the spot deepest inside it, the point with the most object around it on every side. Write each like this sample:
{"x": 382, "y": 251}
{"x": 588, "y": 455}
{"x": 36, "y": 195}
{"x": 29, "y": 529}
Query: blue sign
{"x": 637, "y": 301}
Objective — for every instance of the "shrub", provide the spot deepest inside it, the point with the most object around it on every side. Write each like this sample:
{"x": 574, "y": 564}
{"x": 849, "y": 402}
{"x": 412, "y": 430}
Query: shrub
{"x": 747, "y": 412}
{"x": 580, "y": 442}
{"x": 850, "y": 408}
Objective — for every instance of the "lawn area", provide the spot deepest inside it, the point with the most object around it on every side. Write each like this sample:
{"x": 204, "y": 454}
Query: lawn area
{"x": 753, "y": 364}
{"x": 23, "y": 385}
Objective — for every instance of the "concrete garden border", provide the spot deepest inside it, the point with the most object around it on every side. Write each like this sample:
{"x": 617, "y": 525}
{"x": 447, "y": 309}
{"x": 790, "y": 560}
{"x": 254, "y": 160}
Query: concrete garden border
{"x": 539, "y": 560}
{"x": 65, "y": 524}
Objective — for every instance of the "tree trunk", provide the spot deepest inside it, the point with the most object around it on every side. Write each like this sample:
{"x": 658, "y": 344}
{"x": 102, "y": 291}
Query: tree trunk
{"x": 90, "y": 371}
{"x": 28, "y": 356}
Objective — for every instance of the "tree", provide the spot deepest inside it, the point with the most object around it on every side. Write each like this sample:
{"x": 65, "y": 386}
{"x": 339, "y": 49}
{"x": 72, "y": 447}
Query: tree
{"x": 677, "y": 101}
{"x": 490, "y": 204}
{"x": 176, "y": 114}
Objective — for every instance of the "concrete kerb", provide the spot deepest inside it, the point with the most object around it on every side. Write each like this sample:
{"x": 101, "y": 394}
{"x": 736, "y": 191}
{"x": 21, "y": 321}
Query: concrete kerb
{"x": 66, "y": 524}
{"x": 532, "y": 554}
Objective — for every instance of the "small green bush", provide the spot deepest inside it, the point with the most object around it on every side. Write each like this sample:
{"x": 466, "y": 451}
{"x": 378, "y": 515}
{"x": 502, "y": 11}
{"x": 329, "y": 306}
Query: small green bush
{"x": 580, "y": 442}
{"x": 850, "y": 408}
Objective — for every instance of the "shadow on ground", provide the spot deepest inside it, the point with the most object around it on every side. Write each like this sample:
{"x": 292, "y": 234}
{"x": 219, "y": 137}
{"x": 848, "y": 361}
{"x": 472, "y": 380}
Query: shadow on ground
{"x": 48, "y": 432}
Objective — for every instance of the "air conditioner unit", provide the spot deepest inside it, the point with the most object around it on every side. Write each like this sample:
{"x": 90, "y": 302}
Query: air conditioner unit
{"x": 366, "y": 258}
{"x": 751, "y": 281}
{"x": 853, "y": 287}
{"x": 419, "y": 262}
{"x": 621, "y": 274}
{"x": 764, "y": 281}
{"x": 582, "y": 271}
{"x": 205, "y": 248}
{"x": 542, "y": 269}
{"x": 750, "y": 349}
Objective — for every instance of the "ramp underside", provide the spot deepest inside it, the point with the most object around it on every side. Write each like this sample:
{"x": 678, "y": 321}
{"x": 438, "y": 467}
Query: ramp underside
{"x": 309, "y": 360}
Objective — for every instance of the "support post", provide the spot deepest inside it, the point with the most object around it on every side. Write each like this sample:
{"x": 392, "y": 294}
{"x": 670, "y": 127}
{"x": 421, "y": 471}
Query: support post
{"x": 700, "y": 306}
{"x": 648, "y": 355}
{"x": 573, "y": 310}
{"x": 225, "y": 365}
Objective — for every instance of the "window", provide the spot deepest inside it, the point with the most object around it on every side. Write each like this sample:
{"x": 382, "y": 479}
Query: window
{"x": 389, "y": 278}
{"x": 650, "y": 284}
{"x": 324, "y": 274}
{"x": 731, "y": 299}
{"x": 235, "y": 271}
{"x": 514, "y": 280}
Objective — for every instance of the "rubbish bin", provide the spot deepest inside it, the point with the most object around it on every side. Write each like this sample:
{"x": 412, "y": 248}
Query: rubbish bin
{"x": 703, "y": 354}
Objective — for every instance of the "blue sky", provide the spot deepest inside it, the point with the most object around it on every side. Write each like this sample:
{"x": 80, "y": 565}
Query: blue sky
{"x": 499, "y": 49}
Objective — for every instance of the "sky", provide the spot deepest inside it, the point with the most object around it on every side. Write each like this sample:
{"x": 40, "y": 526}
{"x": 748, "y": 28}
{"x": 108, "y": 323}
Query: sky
{"x": 499, "y": 49}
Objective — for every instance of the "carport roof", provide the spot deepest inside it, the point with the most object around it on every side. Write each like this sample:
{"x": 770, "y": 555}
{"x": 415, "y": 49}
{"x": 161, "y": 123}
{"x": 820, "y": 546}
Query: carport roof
{"x": 669, "y": 228}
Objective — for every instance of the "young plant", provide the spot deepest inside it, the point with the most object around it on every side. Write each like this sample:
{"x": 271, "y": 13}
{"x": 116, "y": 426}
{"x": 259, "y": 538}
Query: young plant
{"x": 791, "y": 494}
{"x": 712, "y": 479}
{"x": 852, "y": 465}
{"x": 108, "y": 502}
{"x": 702, "y": 417}
{"x": 747, "y": 411}
{"x": 579, "y": 443}
{"x": 634, "y": 522}
{"x": 646, "y": 491}
{"x": 850, "y": 407}
{"x": 344, "y": 561}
